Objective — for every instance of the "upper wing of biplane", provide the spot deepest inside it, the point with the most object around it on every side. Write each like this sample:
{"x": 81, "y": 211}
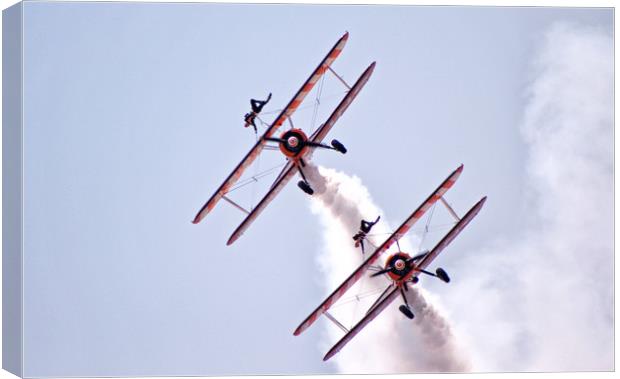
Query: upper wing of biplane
{"x": 393, "y": 293}
{"x": 401, "y": 231}
{"x": 286, "y": 112}
{"x": 287, "y": 173}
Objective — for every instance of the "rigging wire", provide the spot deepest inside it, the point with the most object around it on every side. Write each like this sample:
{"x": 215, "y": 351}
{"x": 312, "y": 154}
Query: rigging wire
{"x": 339, "y": 93}
{"x": 428, "y": 221}
{"x": 255, "y": 178}
{"x": 256, "y": 172}
{"x": 358, "y": 297}
{"x": 361, "y": 294}
{"x": 432, "y": 229}
{"x": 317, "y": 103}
{"x": 263, "y": 124}
{"x": 357, "y": 303}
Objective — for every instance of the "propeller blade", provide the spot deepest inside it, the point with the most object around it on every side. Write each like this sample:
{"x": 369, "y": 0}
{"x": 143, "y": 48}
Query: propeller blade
{"x": 274, "y": 139}
{"x": 419, "y": 256}
{"x": 381, "y": 272}
{"x": 374, "y": 268}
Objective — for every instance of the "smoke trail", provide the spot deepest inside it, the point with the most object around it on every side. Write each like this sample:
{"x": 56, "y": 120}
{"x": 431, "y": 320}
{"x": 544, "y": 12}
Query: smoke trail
{"x": 548, "y": 293}
{"x": 569, "y": 128}
{"x": 391, "y": 343}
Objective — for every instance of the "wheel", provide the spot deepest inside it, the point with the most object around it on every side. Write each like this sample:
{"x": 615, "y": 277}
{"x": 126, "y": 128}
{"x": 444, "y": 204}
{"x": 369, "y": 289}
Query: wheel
{"x": 406, "y": 311}
{"x": 441, "y": 274}
{"x": 415, "y": 279}
{"x": 305, "y": 187}
{"x": 338, "y": 146}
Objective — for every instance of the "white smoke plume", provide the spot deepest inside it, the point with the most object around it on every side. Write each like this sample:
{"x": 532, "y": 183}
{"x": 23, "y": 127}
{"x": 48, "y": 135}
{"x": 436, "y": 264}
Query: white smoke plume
{"x": 391, "y": 343}
{"x": 547, "y": 292}
{"x": 569, "y": 128}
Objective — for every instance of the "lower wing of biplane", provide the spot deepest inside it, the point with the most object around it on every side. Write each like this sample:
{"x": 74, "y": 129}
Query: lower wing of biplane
{"x": 293, "y": 143}
{"x": 401, "y": 268}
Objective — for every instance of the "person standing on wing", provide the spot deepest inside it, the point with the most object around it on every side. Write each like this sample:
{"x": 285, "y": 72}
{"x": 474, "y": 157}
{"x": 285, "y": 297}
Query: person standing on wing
{"x": 365, "y": 227}
{"x": 257, "y": 107}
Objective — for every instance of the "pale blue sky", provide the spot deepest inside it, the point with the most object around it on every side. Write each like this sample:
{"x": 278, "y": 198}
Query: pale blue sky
{"x": 133, "y": 117}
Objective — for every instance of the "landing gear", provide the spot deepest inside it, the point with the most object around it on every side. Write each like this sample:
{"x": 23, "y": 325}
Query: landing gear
{"x": 443, "y": 275}
{"x": 303, "y": 184}
{"x": 405, "y": 307}
{"x": 406, "y": 311}
{"x": 338, "y": 146}
{"x": 440, "y": 273}
{"x": 305, "y": 187}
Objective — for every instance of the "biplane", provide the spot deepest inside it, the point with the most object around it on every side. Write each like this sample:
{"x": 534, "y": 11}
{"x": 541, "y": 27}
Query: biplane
{"x": 401, "y": 268}
{"x": 296, "y": 146}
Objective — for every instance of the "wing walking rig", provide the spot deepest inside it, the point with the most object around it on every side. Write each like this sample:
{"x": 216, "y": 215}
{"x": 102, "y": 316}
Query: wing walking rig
{"x": 293, "y": 143}
{"x": 401, "y": 268}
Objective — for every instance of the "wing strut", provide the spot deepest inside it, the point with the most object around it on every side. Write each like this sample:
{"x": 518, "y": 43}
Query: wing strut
{"x": 449, "y": 208}
{"x": 339, "y": 78}
{"x": 239, "y": 207}
{"x": 338, "y": 324}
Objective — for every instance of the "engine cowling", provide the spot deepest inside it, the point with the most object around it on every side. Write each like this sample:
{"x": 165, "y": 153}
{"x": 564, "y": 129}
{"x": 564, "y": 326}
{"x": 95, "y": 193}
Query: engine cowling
{"x": 294, "y": 142}
{"x": 397, "y": 263}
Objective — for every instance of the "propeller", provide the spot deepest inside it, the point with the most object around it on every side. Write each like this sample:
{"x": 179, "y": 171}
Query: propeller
{"x": 407, "y": 263}
{"x": 338, "y": 146}
{"x": 274, "y": 139}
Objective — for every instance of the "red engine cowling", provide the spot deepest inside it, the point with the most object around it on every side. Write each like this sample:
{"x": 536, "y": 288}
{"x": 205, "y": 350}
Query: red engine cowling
{"x": 294, "y": 143}
{"x": 400, "y": 270}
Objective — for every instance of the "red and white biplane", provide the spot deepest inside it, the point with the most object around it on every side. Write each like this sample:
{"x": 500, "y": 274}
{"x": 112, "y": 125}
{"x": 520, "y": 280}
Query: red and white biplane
{"x": 401, "y": 268}
{"x": 296, "y": 146}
